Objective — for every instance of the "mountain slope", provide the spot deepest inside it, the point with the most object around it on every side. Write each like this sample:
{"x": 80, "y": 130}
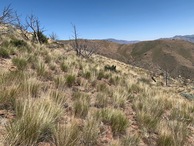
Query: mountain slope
{"x": 175, "y": 56}
{"x": 121, "y": 41}
{"x": 50, "y": 96}
{"x": 189, "y": 38}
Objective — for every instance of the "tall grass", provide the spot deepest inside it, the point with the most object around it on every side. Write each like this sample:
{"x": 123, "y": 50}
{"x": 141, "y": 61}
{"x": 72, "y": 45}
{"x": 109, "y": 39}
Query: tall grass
{"x": 67, "y": 135}
{"x": 116, "y": 118}
{"x": 34, "y": 122}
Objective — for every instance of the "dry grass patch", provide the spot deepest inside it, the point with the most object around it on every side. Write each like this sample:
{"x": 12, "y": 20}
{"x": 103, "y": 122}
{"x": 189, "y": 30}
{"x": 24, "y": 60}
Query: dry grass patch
{"x": 115, "y": 118}
{"x": 67, "y": 135}
{"x": 35, "y": 120}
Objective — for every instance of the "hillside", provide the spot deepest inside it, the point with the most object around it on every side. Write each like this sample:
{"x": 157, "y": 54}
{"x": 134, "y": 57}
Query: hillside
{"x": 175, "y": 56}
{"x": 189, "y": 38}
{"x": 50, "y": 96}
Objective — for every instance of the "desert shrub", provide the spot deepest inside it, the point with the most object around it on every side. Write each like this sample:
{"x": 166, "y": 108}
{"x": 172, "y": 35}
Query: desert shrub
{"x": 110, "y": 68}
{"x": 20, "y": 63}
{"x": 42, "y": 38}
{"x": 18, "y": 43}
{"x": 70, "y": 80}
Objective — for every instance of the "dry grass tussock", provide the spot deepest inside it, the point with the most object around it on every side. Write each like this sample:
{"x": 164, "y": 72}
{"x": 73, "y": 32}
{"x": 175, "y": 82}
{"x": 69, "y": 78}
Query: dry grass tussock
{"x": 64, "y": 100}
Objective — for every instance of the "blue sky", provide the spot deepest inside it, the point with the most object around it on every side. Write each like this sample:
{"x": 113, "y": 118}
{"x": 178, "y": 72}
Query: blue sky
{"x": 120, "y": 19}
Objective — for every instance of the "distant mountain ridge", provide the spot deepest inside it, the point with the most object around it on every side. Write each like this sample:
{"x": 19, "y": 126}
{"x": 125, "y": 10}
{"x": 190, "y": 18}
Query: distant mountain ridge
{"x": 121, "y": 41}
{"x": 189, "y": 38}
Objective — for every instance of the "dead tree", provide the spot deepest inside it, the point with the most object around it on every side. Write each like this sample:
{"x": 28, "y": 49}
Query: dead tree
{"x": 76, "y": 46}
{"x": 82, "y": 47}
{"x": 34, "y": 24}
{"x": 7, "y": 16}
{"x": 22, "y": 27}
{"x": 53, "y": 36}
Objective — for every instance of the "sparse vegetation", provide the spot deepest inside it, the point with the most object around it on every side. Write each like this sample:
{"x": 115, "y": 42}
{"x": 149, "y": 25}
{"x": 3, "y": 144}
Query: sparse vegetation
{"x": 54, "y": 96}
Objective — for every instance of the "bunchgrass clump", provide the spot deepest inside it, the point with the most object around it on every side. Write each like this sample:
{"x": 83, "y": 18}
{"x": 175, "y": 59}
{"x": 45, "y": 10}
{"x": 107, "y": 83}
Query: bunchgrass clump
{"x": 165, "y": 140}
{"x": 41, "y": 69}
{"x": 8, "y": 98}
{"x": 102, "y": 100}
{"x": 90, "y": 132}
{"x": 87, "y": 75}
{"x": 34, "y": 121}
{"x": 20, "y": 63}
{"x": 70, "y": 80}
{"x": 64, "y": 67}
{"x": 4, "y": 53}
{"x": 115, "y": 118}
{"x": 81, "y": 107}
{"x": 67, "y": 135}
{"x": 149, "y": 112}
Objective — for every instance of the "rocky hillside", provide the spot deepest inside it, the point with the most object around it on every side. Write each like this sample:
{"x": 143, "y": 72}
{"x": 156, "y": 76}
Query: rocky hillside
{"x": 174, "y": 56}
{"x": 50, "y": 96}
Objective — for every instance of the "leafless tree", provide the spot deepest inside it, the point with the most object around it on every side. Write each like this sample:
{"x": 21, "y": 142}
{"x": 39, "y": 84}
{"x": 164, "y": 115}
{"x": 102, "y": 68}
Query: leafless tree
{"x": 22, "y": 27}
{"x": 82, "y": 47}
{"x": 53, "y": 36}
{"x": 34, "y": 24}
{"x": 7, "y": 16}
{"x": 75, "y": 43}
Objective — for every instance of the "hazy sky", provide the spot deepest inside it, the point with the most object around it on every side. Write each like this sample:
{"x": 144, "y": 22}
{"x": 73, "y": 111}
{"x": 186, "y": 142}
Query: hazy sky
{"x": 120, "y": 19}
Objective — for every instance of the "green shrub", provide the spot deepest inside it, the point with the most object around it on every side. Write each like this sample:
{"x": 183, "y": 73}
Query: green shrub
{"x": 18, "y": 43}
{"x": 20, "y": 63}
{"x": 42, "y": 38}
{"x": 111, "y": 68}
